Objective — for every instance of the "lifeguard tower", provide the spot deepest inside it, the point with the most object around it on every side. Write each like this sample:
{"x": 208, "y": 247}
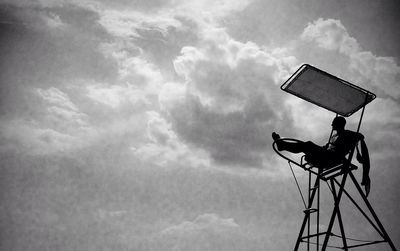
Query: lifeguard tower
{"x": 344, "y": 99}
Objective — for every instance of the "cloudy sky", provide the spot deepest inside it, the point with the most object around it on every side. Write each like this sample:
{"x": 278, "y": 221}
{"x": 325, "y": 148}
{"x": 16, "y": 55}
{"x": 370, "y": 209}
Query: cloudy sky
{"x": 145, "y": 124}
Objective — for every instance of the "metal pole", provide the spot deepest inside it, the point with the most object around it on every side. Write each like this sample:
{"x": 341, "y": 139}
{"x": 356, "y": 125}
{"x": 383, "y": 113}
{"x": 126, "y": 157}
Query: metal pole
{"x": 386, "y": 236}
{"x": 318, "y": 197}
{"x": 339, "y": 216}
{"x": 362, "y": 211}
{"x": 303, "y": 225}
{"x": 361, "y": 117}
{"x": 335, "y": 210}
{"x": 309, "y": 207}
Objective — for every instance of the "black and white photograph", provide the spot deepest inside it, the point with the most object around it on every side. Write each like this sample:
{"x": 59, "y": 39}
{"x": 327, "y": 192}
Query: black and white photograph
{"x": 199, "y": 125}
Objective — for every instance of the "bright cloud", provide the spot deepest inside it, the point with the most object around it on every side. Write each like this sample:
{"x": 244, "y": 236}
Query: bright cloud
{"x": 127, "y": 23}
{"x": 56, "y": 97}
{"x": 330, "y": 34}
{"x": 216, "y": 75}
{"x": 116, "y": 95}
{"x": 205, "y": 222}
{"x": 228, "y": 98}
{"x": 61, "y": 112}
{"x": 380, "y": 73}
{"x": 54, "y": 21}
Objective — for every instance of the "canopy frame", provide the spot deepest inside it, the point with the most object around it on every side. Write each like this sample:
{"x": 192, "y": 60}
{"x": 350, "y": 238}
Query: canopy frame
{"x": 291, "y": 81}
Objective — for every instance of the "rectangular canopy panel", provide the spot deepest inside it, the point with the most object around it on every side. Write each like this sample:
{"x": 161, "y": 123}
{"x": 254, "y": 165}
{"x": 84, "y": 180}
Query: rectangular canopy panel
{"x": 327, "y": 91}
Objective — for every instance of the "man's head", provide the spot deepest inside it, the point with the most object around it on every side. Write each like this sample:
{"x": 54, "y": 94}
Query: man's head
{"x": 338, "y": 123}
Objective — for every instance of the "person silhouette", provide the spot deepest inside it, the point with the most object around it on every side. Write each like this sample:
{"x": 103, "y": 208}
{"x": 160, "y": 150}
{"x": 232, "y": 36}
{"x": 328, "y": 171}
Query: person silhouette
{"x": 334, "y": 152}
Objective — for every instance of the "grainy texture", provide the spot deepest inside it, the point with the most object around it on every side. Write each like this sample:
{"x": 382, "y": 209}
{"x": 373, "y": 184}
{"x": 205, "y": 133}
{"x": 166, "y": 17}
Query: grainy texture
{"x": 145, "y": 125}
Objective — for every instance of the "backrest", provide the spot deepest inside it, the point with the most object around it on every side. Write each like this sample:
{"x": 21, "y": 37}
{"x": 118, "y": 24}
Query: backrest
{"x": 346, "y": 142}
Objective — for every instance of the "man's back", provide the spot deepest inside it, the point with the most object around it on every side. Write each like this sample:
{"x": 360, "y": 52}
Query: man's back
{"x": 345, "y": 142}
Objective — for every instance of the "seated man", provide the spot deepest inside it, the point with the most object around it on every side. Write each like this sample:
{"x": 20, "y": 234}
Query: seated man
{"x": 333, "y": 153}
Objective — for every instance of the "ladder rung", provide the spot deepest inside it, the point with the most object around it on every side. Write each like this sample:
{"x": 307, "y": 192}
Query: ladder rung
{"x": 310, "y": 210}
{"x": 311, "y": 236}
{"x": 339, "y": 169}
{"x": 332, "y": 170}
{"x": 313, "y": 188}
{"x": 366, "y": 244}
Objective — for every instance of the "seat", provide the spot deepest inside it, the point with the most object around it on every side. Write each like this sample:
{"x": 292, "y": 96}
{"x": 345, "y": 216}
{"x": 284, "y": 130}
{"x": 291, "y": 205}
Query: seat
{"x": 333, "y": 171}
{"x": 324, "y": 172}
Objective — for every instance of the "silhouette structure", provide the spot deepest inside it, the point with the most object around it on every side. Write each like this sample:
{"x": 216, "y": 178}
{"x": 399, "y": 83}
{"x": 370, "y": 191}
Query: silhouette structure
{"x": 334, "y": 152}
{"x": 331, "y": 163}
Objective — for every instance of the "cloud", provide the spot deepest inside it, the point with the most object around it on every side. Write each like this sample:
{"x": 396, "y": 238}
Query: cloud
{"x": 115, "y": 95}
{"x": 67, "y": 80}
{"x": 61, "y": 113}
{"x": 380, "y": 124}
{"x": 330, "y": 34}
{"x": 163, "y": 32}
{"x": 329, "y": 46}
{"x": 222, "y": 60}
{"x": 101, "y": 199}
{"x": 381, "y": 74}
{"x": 130, "y": 22}
{"x": 127, "y": 23}
{"x": 24, "y": 137}
{"x": 205, "y": 222}
{"x": 227, "y": 103}
{"x": 56, "y": 125}
{"x": 139, "y": 80}
{"x": 40, "y": 56}
{"x": 205, "y": 232}
{"x": 54, "y": 96}
{"x": 164, "y": 148}
{"x": 136, "y": 5}
{"x": 116, "y": 104}
{"x": 54, "y": 21}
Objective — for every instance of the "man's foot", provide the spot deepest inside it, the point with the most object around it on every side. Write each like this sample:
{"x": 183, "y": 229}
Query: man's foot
{"x": 275, "y": 136}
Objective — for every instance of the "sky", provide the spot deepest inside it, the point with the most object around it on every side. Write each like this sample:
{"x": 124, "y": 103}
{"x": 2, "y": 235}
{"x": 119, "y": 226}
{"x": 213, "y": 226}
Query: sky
{"x": 146, "y": 124}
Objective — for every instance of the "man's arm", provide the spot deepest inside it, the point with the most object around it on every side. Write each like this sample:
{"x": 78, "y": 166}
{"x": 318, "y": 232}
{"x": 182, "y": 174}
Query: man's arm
{"x": 364, "y": 159}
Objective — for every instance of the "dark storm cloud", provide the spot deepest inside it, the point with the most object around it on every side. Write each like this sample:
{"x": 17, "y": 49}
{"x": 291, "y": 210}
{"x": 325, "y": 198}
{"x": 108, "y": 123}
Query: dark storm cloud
{"x": 36, "y": 54}
{"x": 44, "y": 52}
{"x": 162, "y": 48}
{"x": 235, "y": 138}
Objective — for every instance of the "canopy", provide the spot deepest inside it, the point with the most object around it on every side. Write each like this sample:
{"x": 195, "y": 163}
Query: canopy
{"x": 327, "y": 91}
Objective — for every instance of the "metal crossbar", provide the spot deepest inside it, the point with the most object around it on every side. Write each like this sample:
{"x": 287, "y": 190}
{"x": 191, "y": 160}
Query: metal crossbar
{"x": 297, "y": 183}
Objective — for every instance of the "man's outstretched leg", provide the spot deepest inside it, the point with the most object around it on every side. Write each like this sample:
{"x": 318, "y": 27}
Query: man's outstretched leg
{"x": 296, "y": 147}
